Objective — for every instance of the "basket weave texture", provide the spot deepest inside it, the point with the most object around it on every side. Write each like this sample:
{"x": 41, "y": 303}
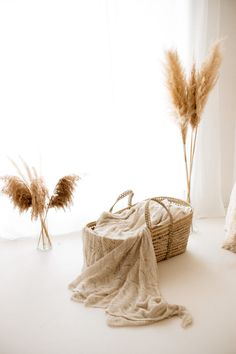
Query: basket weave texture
{"x": 168, "y": 240}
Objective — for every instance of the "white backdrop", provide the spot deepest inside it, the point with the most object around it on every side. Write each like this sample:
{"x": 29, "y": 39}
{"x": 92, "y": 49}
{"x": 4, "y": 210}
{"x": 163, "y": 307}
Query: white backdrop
{"x": 82, "y": 90}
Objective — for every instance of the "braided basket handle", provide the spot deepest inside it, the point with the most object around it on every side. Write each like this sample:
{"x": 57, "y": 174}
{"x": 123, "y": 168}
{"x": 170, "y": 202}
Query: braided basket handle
{"x": 129, "y": 193}
{"x": 147, "y": 212}
{"x": 149, "y": 224}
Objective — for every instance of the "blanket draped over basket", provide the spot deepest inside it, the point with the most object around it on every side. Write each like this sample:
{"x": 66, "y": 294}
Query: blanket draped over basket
{"x": 121, "y": 273}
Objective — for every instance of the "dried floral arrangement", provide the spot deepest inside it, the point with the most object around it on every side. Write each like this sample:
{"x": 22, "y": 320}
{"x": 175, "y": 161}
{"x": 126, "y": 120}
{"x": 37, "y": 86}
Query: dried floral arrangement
{"x": 189, "y": 96}
{"x": 29, "y": 191}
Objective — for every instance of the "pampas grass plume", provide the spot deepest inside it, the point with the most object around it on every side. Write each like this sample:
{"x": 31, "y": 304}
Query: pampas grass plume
{"x": 177, "y": 86}
{"x": 39, "y": 194}
{"x": 18, "y": 192}
{"x": 208, "y": 77}
{"x": 63, "y": 192}
{"x": 191, "y": 92}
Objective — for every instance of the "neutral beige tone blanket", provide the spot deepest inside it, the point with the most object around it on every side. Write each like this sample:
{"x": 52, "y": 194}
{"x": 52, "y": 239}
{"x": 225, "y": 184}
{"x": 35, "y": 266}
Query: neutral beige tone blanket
{"x": 120, "y": 272}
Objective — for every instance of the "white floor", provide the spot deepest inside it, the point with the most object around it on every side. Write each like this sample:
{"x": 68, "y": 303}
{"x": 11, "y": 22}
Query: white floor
{"x": 37, "y": 316}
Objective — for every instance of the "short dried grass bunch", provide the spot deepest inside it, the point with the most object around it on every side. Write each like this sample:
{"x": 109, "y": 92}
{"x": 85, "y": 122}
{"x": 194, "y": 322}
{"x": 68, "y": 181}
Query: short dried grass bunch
{"x": 29, "y": 191}
{"x": 189, "y": 96}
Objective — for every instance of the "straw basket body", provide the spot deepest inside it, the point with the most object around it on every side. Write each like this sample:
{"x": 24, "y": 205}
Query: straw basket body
{"x": 168, "y": 240}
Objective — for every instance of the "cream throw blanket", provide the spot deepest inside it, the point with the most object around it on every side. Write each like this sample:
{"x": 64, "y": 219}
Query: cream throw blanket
{"x": 120, "y": 271}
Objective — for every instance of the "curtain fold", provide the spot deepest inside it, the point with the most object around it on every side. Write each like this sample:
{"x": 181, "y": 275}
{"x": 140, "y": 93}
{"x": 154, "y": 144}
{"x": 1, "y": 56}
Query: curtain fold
{"x": 207, "y": 185}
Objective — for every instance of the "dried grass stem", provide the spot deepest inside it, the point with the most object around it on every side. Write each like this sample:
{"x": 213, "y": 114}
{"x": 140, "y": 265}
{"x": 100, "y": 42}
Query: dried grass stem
{"x": 189, "y": 98}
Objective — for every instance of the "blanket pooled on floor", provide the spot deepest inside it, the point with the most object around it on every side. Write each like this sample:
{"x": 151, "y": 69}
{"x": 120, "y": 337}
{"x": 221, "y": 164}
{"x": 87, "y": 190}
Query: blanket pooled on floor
{"x": 120, "y": 271}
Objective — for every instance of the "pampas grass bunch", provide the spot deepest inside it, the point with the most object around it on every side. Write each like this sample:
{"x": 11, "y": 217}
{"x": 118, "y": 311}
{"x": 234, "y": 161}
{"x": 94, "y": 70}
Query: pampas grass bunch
{"x": 189, "y": 97}
{"x": 29, "y": 191}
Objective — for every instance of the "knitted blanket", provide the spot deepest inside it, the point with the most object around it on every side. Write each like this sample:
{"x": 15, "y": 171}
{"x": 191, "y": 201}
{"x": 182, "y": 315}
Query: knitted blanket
{"x": 120, "y": 272}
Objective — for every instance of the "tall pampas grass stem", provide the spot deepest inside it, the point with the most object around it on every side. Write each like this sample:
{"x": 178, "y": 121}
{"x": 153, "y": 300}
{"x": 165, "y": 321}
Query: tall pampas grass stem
{"x": 189, "y": 97}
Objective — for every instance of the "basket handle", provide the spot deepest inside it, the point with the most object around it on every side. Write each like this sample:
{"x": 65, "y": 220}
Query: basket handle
{"x": 149, "y": 224}
{"x": 129, "y": 193}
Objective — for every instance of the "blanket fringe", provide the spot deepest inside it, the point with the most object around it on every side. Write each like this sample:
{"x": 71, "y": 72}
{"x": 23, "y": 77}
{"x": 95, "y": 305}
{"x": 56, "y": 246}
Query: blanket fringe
{"x": 187, "y": 319}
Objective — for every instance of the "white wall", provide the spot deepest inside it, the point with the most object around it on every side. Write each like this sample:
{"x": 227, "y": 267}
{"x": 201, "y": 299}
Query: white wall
{"x": 227, "y": 94}
{"x": 82, "y": 90}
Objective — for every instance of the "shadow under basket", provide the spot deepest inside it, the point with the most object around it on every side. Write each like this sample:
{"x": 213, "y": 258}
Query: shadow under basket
{"x": 168, "y": 240}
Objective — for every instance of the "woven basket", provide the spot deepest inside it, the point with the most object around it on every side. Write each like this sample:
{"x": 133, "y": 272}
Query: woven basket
{"x": 168, "y": 240}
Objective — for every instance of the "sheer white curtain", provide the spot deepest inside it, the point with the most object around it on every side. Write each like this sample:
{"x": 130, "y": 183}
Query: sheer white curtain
{"x": 82, "y": 91}
{"x": 207, "y": 189}
{"x": 215, "y": 157}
